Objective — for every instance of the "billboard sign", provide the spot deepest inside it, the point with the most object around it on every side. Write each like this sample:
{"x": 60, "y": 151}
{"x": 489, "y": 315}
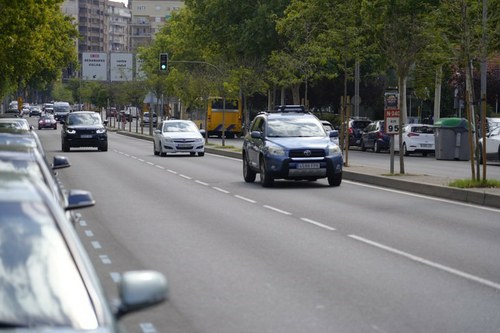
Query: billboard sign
{"x": 94, "y": 66}
{"x": 121, "y": 66}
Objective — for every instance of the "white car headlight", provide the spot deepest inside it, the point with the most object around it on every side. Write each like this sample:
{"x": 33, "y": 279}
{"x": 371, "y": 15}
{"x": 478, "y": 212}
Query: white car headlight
{"x": 167, "y": 139}
{"x": 70, "y": 131}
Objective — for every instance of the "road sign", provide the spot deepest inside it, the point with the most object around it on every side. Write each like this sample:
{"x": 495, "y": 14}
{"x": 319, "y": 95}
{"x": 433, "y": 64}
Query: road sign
{"x": 391, "y": 117}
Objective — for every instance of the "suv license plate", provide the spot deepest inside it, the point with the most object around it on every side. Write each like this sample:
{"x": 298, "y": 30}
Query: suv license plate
{"x": 308, "y": 166}
{"x": 86, "y": 136}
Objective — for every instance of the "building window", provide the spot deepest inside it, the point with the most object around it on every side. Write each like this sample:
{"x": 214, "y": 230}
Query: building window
{"x": 142, "y": 7}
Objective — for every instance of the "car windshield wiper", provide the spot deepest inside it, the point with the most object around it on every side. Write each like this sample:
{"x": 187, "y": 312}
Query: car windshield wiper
{"x": 12, "y": 324}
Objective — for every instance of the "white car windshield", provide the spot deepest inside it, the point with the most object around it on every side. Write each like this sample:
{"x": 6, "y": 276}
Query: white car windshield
{"x": 179, "y": 126}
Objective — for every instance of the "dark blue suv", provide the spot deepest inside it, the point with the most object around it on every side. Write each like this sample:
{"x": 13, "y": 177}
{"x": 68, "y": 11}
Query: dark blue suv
{"x": 290, "y": 143}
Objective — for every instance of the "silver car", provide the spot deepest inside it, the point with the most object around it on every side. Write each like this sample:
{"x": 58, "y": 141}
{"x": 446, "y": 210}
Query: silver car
{"x": 178, "y": 136}
{"x": 48, "y": 282}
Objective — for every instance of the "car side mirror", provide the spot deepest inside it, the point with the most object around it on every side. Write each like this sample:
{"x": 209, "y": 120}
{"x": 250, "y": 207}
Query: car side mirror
{"x": 60, "y": 162}
{"x": 78, "y": 199}
{"x": 202, "y": 132}
{"x": 105, "y": 122}
{"x": 256, "y": 135}
{"x": 140, "y": 289}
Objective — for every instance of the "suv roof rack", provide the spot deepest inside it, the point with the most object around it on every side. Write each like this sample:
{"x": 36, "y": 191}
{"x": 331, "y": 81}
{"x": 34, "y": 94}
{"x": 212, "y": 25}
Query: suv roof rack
{"x": 290, "y": 108}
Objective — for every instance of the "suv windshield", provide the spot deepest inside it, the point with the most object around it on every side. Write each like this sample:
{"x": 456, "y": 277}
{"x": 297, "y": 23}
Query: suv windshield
{"x": 84, "y": 119}
{"x": 294, "y": 127}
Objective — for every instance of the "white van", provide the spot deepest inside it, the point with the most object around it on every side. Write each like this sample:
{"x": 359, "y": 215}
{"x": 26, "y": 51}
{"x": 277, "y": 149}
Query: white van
{"x": 61, "y": 110}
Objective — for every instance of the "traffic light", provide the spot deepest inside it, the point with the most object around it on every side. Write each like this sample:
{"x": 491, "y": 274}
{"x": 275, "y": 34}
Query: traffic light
{"x": 163, "y": 62}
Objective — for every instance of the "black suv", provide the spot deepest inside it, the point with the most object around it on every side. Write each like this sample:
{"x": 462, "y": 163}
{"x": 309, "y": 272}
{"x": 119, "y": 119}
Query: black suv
{"x": 290, "y": 143}
{"x": 84, "y": 129}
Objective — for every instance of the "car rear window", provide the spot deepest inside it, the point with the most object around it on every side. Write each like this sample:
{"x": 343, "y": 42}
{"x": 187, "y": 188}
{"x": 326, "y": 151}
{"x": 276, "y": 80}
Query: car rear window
{"x": 422, "y": 129}
{"x": 360, "y": 124}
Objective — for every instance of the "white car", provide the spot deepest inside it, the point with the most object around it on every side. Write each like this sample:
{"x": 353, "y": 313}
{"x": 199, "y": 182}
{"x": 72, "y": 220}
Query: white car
{"x": 492, "y": 145}
{"x": 178, "y": 136}
{"x": 417, "y": 138}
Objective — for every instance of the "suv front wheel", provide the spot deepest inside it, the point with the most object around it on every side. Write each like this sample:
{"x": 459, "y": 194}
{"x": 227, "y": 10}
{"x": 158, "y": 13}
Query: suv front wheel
{"x": 334, "y": 179}
{"x": 265, "y": 177}
{"x": 248, "y": 174}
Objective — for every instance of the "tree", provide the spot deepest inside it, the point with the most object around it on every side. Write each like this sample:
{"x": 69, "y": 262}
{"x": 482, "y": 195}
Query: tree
{"x": 401, "y": 31}
{"x": 37, "y": 42}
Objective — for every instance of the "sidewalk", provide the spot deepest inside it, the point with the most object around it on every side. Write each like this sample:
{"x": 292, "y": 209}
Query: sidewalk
{"x": 418, "y": 184}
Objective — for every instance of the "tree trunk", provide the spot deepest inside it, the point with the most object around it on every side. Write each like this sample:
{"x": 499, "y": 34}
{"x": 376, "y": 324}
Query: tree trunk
{"x": 296, "y": 93}
{"x": 437, "y": 93}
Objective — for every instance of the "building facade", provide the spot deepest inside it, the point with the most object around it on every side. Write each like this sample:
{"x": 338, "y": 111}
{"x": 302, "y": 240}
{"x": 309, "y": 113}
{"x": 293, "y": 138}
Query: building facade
{"x": 119, "y": 17}
{"x": 148, "y": 16}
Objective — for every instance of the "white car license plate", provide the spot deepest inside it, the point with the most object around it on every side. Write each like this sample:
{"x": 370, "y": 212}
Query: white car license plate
{"x": 184, "y": 145}
{"x": 86, "y": 136}
{"x": 308, "y": 166}
{"x": 426, "y": 145}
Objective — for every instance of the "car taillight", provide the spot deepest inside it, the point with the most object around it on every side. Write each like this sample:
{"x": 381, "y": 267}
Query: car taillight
{"x": 350, "y": 130}
{"x": 413, "y": 134}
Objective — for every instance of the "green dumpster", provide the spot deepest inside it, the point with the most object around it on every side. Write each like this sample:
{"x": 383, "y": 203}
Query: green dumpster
{"x": 451, "y": 137}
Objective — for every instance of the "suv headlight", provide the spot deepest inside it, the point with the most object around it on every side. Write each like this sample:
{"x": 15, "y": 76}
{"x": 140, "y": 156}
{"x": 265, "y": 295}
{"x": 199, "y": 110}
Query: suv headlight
{"x": 70, "y": 131}
{"x": 276, "y": 150}
{"x": 101, "y": 131}
{"x": 334, "y": 150}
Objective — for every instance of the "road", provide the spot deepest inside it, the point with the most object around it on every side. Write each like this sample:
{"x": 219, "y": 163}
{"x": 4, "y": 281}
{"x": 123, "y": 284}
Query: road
{"x": 299, "y": 257}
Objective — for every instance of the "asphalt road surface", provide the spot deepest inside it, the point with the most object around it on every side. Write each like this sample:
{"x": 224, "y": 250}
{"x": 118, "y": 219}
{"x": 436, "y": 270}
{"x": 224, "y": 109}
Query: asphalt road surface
{"x": 299, "y": 257}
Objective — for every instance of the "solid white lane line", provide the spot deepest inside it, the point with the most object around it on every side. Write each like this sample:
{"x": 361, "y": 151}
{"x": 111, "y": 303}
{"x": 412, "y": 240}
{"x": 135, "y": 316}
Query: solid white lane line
{"x": 428, "y": 263}
{"x": 277, "y": 210}
{"x": 321, "y": 225}
{"x": 201, "y": 183}
{"x": 220, "y": 190}
{"x": 422, "y": 196}
{"x": 245, "y": 199}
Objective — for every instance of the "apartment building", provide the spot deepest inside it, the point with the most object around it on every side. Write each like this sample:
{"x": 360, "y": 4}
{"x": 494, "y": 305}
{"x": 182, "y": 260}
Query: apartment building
{"x": 119, "y": 18}
{"x": 148, "y": 16}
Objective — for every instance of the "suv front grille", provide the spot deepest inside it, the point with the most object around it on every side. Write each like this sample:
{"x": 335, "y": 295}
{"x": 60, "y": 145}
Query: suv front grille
{"x": 307, "y": 153}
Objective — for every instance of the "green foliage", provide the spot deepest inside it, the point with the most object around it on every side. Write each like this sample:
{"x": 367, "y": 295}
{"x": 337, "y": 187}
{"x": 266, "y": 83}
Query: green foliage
{"x": 470, "y": 183}
{"x": 37, "y": 41}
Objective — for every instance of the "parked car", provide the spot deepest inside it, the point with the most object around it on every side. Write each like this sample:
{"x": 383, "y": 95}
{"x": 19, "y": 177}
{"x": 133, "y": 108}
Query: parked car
{"x": 417, "y": 138}
{"x": 178, "y": 136}
{"x": 84, "y": 129}
{"x": 48, "y": 281}
{"x": 355, "y": 129}
{"x": 329, "y": 128}
{"x": 20, "y": 154}
{"x": 492, "y": 145}
{"x": 491, "y": 123}
{"x": 374, "y": 137}
{"x": 47, "y": 121}
{"x": 290, "y": 145}
{"x": 145, "y": 119}
{"x": 35, "y": 111}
